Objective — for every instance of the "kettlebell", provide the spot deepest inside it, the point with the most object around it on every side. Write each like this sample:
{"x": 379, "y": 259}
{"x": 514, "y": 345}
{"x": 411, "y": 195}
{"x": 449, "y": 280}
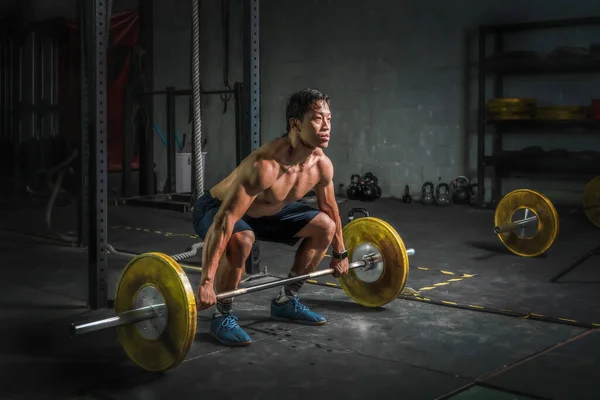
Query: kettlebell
{"x": 368, "y": 192}
{"x": 406, "y": 198}
{"x": 357, "y": 210}
{"x": 427, "y": 195}
{"x": 460, "y": 190}
{"x": 442, "y": 198}
{"x": 369, "y": 177}
{"x": 378, "y": 191}
{"x": 353, "y": 192}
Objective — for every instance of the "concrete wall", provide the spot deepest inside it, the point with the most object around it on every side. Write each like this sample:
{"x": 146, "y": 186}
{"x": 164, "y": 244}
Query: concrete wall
{"x": 403, "y": 106}
{"x": 172, "y": 58}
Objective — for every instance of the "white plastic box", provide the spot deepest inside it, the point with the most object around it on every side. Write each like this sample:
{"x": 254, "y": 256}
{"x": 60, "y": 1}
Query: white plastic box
{"x": 183, "y": 171}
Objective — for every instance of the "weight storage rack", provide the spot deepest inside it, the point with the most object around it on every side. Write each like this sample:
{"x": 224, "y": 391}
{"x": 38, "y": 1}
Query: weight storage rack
{"x": 498, "y": 66}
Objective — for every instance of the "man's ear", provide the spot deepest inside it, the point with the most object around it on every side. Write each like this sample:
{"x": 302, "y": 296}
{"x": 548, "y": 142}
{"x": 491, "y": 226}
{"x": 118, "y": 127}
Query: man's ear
{"x": 294, "y": 124}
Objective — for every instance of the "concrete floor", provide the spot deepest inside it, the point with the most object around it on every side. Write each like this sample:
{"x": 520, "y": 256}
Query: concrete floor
{"x": 484, "y": 317}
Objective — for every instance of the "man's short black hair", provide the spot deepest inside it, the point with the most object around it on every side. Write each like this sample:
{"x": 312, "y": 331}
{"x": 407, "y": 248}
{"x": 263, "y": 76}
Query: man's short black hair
{"x": 300, "y": 102}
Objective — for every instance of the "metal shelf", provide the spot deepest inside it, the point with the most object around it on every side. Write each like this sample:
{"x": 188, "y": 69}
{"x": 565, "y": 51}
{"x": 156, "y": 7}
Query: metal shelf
{"x": 559, "y": 68}
{"x": 545, "y": 123}
{"x": 516, "y": 161}
{"x": 498, "y": 66}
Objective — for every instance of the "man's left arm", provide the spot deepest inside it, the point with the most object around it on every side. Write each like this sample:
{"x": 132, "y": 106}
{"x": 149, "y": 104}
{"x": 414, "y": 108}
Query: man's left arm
{"x": 326, "y": 202}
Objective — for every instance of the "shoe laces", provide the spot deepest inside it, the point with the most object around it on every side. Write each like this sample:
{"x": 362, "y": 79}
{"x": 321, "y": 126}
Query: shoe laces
{"x": 299, "y": 307}
{"x": 230, "y": 322}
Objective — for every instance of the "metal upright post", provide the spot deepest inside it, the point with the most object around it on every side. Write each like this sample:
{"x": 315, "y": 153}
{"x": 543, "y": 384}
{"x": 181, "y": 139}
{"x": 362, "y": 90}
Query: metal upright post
{"x": 98, "y": 262}
{"x": 497, "y": 143}
{"x": 128, "y": 142}
{"x": 481, "y": 117}
{"x": 83, "y": 145}
{"x": 146, "y": 146}
{"x": 17, "y": 125}
{"x": 171, "y": 146}
{"x": 241, "y": 144}
{"x": 252, "y": 72}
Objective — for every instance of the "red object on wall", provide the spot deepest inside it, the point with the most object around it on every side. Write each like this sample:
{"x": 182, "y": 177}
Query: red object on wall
{"x": 595, "y": 111}
{"x": 124, "y": 36}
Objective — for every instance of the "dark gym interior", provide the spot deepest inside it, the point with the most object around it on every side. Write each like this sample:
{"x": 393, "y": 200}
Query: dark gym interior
{"x": 465, "y": 132}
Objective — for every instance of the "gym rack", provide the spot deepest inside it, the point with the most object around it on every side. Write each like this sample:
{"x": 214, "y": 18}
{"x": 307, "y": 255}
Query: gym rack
{"x": 92, "y": 210}
{"x": 505, "y": 162}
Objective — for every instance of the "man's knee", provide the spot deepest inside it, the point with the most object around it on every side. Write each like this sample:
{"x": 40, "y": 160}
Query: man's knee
{"x": 240, "y": 245}
{"x": 326, "y": 226}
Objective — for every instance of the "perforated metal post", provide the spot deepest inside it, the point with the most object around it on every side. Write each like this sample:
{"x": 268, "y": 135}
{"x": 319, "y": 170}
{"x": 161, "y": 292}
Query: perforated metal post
{"x": 252, "y": 72}
{"x": 98, "y": 262}
{"x": 83, "y": 145}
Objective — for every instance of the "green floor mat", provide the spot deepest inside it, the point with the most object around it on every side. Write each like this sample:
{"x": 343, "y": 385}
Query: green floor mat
{"x": 483, "y": 393}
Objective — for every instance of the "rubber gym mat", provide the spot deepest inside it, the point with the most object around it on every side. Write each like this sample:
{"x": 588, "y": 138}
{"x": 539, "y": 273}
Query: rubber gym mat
{"x": 484, "y": 393}
{"x": 566, "y": 371}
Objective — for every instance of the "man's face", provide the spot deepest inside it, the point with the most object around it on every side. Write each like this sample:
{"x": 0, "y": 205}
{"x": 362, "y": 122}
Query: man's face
{"x": 315, "y": 127}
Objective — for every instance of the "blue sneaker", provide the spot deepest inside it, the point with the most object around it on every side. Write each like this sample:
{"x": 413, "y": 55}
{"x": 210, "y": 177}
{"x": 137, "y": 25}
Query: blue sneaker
{"x": 295, "y": 311}
{"x": 227, "y": 331}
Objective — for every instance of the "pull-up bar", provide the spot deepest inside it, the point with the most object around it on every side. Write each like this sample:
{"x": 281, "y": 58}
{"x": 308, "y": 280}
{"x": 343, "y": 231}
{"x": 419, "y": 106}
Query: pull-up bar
{"x": 188, "y": 92}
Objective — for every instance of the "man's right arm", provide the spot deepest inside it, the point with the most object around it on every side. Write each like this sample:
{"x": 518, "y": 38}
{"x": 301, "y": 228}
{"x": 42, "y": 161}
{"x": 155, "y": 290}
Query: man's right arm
{"x": 252, "y": 179}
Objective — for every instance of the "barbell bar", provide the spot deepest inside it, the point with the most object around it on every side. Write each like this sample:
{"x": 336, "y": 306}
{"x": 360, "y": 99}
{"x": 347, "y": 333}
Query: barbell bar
{"x": 154, "y": 311}
{"x": 511, "y": 226}
{"x": 155, "y": 305}
{"x": 123, "y": 318}
{"x": 368, "y": 262}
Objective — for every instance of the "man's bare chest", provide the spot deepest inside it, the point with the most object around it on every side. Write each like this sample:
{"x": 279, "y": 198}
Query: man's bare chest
{"x": 293, "y": 185}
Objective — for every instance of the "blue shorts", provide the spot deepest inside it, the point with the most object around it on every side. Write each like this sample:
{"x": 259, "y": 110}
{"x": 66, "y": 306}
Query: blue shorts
{"x": 281, "y": 227}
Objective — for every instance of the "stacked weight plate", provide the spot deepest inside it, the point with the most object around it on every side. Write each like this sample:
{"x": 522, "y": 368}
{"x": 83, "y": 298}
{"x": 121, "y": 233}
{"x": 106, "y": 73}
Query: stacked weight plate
{"x": 511, "y": 108}
{"x": 516, "y": 108}
{"x": 560, "y": 113}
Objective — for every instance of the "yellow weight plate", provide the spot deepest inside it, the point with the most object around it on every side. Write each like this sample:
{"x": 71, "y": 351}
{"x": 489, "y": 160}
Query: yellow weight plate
{"x": 561, "y": 108}
{"x": 591, "y": 201}
{"x": 161, "y": 274}
{"x": 517, "y": 107}
{"x": 394, "y": 268}
{"x": 510, "y": 116}
{"x": 509, "y": 100}
{"x": 559, "y": 116}
{"x": 546, "y": 229}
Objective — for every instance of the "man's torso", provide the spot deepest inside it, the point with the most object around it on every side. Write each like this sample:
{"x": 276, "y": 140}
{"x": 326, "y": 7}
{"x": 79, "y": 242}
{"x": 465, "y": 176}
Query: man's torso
{"x": 293, "y": 183}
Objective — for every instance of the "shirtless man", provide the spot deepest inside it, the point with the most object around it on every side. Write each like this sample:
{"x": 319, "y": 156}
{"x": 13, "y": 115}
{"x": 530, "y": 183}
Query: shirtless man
{"x": 259, "y": 200}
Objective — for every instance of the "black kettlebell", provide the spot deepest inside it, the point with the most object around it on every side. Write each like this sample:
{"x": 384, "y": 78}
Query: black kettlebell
{"x": 460, "y": 190}
{"x": 427, "y": 195}
{"x": 377, "y": 191}
{"x": 442, "y": 198}
{"x": 353, "y": 192}
{"x": 368, "y": 191}
{"x": 406, "y": 198}
{"x": 357, "y": 210}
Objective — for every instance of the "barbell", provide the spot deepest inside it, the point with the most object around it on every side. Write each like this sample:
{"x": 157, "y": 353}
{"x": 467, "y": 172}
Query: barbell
{"x": 526, "y": 222}
{"x": 155, "y": 305}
